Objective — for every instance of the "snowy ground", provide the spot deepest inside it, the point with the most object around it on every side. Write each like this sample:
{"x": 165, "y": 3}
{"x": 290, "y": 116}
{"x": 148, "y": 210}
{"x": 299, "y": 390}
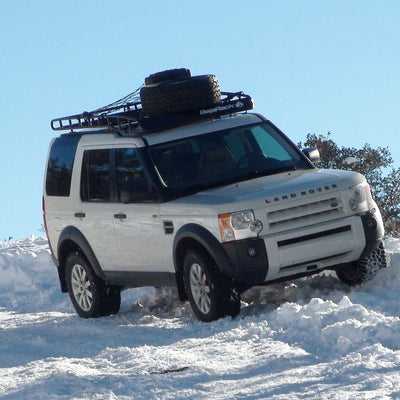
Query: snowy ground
{"x": 311, "y": 339}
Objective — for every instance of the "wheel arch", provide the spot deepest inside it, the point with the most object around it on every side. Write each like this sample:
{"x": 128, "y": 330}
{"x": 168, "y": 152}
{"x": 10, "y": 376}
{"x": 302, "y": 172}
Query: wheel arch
{"x": 196, "y": 236}
{"x": 72, "y": 239}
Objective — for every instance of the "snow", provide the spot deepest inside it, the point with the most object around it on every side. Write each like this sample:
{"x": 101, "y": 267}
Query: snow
{"x": 313, "y": 338}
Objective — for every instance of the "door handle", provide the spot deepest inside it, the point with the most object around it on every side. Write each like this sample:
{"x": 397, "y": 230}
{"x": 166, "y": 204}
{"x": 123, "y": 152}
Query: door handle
{"x": 80, "y": 215}
{"x": 120, "y": 216}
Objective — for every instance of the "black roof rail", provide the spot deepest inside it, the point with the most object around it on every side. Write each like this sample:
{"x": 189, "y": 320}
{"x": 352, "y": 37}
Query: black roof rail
{"x": 126, "y": 115}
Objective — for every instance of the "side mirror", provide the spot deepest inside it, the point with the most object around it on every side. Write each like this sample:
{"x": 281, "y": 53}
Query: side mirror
{"x": 350, "y": 161}
{"x": 312, "y": 153}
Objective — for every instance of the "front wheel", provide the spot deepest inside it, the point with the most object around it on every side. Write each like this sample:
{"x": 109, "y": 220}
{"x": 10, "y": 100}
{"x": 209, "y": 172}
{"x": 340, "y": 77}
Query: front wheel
{"x": 365, "y": 269}
{"x": 90, "y": 296}
{"x": 210, "y": 295}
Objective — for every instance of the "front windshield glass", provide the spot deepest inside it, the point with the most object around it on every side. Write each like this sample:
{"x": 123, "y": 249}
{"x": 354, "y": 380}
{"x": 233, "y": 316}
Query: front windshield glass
{"x": 225, "y": 157}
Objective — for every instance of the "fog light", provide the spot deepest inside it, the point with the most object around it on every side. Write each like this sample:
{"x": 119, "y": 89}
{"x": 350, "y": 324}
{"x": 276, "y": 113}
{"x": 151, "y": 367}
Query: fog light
{"x": 256, "y": 226}
{"x": 252, "y": 252}
{"x": 353, "y": 203}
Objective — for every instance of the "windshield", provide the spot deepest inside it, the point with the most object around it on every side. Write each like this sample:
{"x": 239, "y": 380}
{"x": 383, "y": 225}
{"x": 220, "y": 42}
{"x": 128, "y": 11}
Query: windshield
{"x": 225, "y": 157}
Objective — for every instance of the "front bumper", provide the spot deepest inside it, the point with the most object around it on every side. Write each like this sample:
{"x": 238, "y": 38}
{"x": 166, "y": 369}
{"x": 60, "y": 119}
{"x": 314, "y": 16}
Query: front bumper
{"x": 295, "y": 253}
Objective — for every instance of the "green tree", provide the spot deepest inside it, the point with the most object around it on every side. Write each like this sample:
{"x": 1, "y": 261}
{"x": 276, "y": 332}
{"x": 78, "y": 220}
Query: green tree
{"x": 375, "y": 164}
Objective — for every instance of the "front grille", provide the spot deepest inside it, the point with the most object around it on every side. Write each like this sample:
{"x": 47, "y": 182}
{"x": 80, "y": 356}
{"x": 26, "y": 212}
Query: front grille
{"x": 284, "y": 219}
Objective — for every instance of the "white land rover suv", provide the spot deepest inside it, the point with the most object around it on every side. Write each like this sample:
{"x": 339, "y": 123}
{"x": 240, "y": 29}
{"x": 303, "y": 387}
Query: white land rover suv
{"x": 178, "y": 186}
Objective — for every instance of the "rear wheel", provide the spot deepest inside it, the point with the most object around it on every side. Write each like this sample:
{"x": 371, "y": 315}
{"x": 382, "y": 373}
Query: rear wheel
{"x": 90, "y": 296}
{"x": 365, "y": 269}
{"x": 210, "y": 295}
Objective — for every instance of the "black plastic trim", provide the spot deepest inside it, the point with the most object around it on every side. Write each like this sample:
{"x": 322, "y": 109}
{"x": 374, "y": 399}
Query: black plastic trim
{"x": 249, "y": 260}
{"x": 231, "y": 258}
{"x": 130, "y": 279}
{"x": 207, "y": 240}
{"x": 168, "y": 227}
{"x": 70, "y": 233}
{"x": 373, "y": 231}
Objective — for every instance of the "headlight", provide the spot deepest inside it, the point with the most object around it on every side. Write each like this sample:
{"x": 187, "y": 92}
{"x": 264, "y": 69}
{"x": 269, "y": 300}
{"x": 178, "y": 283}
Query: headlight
{"x": 361, "y": 199}
{"x": 242, "y": 219}
{"x": 239, "y": 225}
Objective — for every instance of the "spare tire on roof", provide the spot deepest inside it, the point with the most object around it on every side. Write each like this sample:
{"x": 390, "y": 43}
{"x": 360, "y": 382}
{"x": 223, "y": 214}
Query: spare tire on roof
{"x": 177, "y": 74}
{"x": 174, "y": 96}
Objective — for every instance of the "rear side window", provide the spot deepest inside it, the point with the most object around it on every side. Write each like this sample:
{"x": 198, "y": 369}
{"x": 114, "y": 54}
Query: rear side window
{"x": 96, "y": 176}
{"x": 59, "y": 168}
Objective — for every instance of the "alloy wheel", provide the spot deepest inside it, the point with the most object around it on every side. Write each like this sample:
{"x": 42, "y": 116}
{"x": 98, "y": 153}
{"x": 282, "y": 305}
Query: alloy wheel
{"x": 81, "y": 287}
{"x": 200, "y": 288}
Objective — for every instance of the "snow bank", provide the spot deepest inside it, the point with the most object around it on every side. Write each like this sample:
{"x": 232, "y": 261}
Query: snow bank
{"x": 29, "y": 279}
{"x": 310, "y": 339}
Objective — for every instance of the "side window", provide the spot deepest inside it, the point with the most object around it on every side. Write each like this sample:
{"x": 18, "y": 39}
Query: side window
{"x": 132, "y": 184}
{"x": 95, "y": 179}
{"x": 59, "y": 168}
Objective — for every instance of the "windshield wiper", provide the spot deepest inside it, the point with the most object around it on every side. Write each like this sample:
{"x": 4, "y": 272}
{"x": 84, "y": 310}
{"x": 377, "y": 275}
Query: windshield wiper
{"x": 282, "y": 169}
{"x": 272, "y": 171}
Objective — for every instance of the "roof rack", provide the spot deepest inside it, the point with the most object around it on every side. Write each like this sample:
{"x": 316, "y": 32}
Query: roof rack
{"x": 126, "y": 115}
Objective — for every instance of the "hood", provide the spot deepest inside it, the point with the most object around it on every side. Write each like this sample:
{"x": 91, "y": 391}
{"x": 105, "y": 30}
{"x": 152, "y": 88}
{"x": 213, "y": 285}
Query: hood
{"x": 287, "y": 186}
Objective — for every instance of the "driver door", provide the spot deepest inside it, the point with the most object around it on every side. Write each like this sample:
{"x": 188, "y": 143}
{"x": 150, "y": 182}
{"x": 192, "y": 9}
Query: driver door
{"x": 137, "y": 223}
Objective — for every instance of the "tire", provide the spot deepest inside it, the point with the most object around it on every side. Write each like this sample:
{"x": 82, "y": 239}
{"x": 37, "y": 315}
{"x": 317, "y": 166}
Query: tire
{"x": 365, "y": 269}
{"x": 112, "y": 302}
{"x": 168, "y": 75}
{"x": 90, "y": 296}
{"x": 210, "y": 295}
{"x": 179, "y": 96}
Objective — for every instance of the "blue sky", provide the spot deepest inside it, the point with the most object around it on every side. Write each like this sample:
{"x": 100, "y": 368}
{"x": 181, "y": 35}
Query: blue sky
{"x": 311, "y": 67}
